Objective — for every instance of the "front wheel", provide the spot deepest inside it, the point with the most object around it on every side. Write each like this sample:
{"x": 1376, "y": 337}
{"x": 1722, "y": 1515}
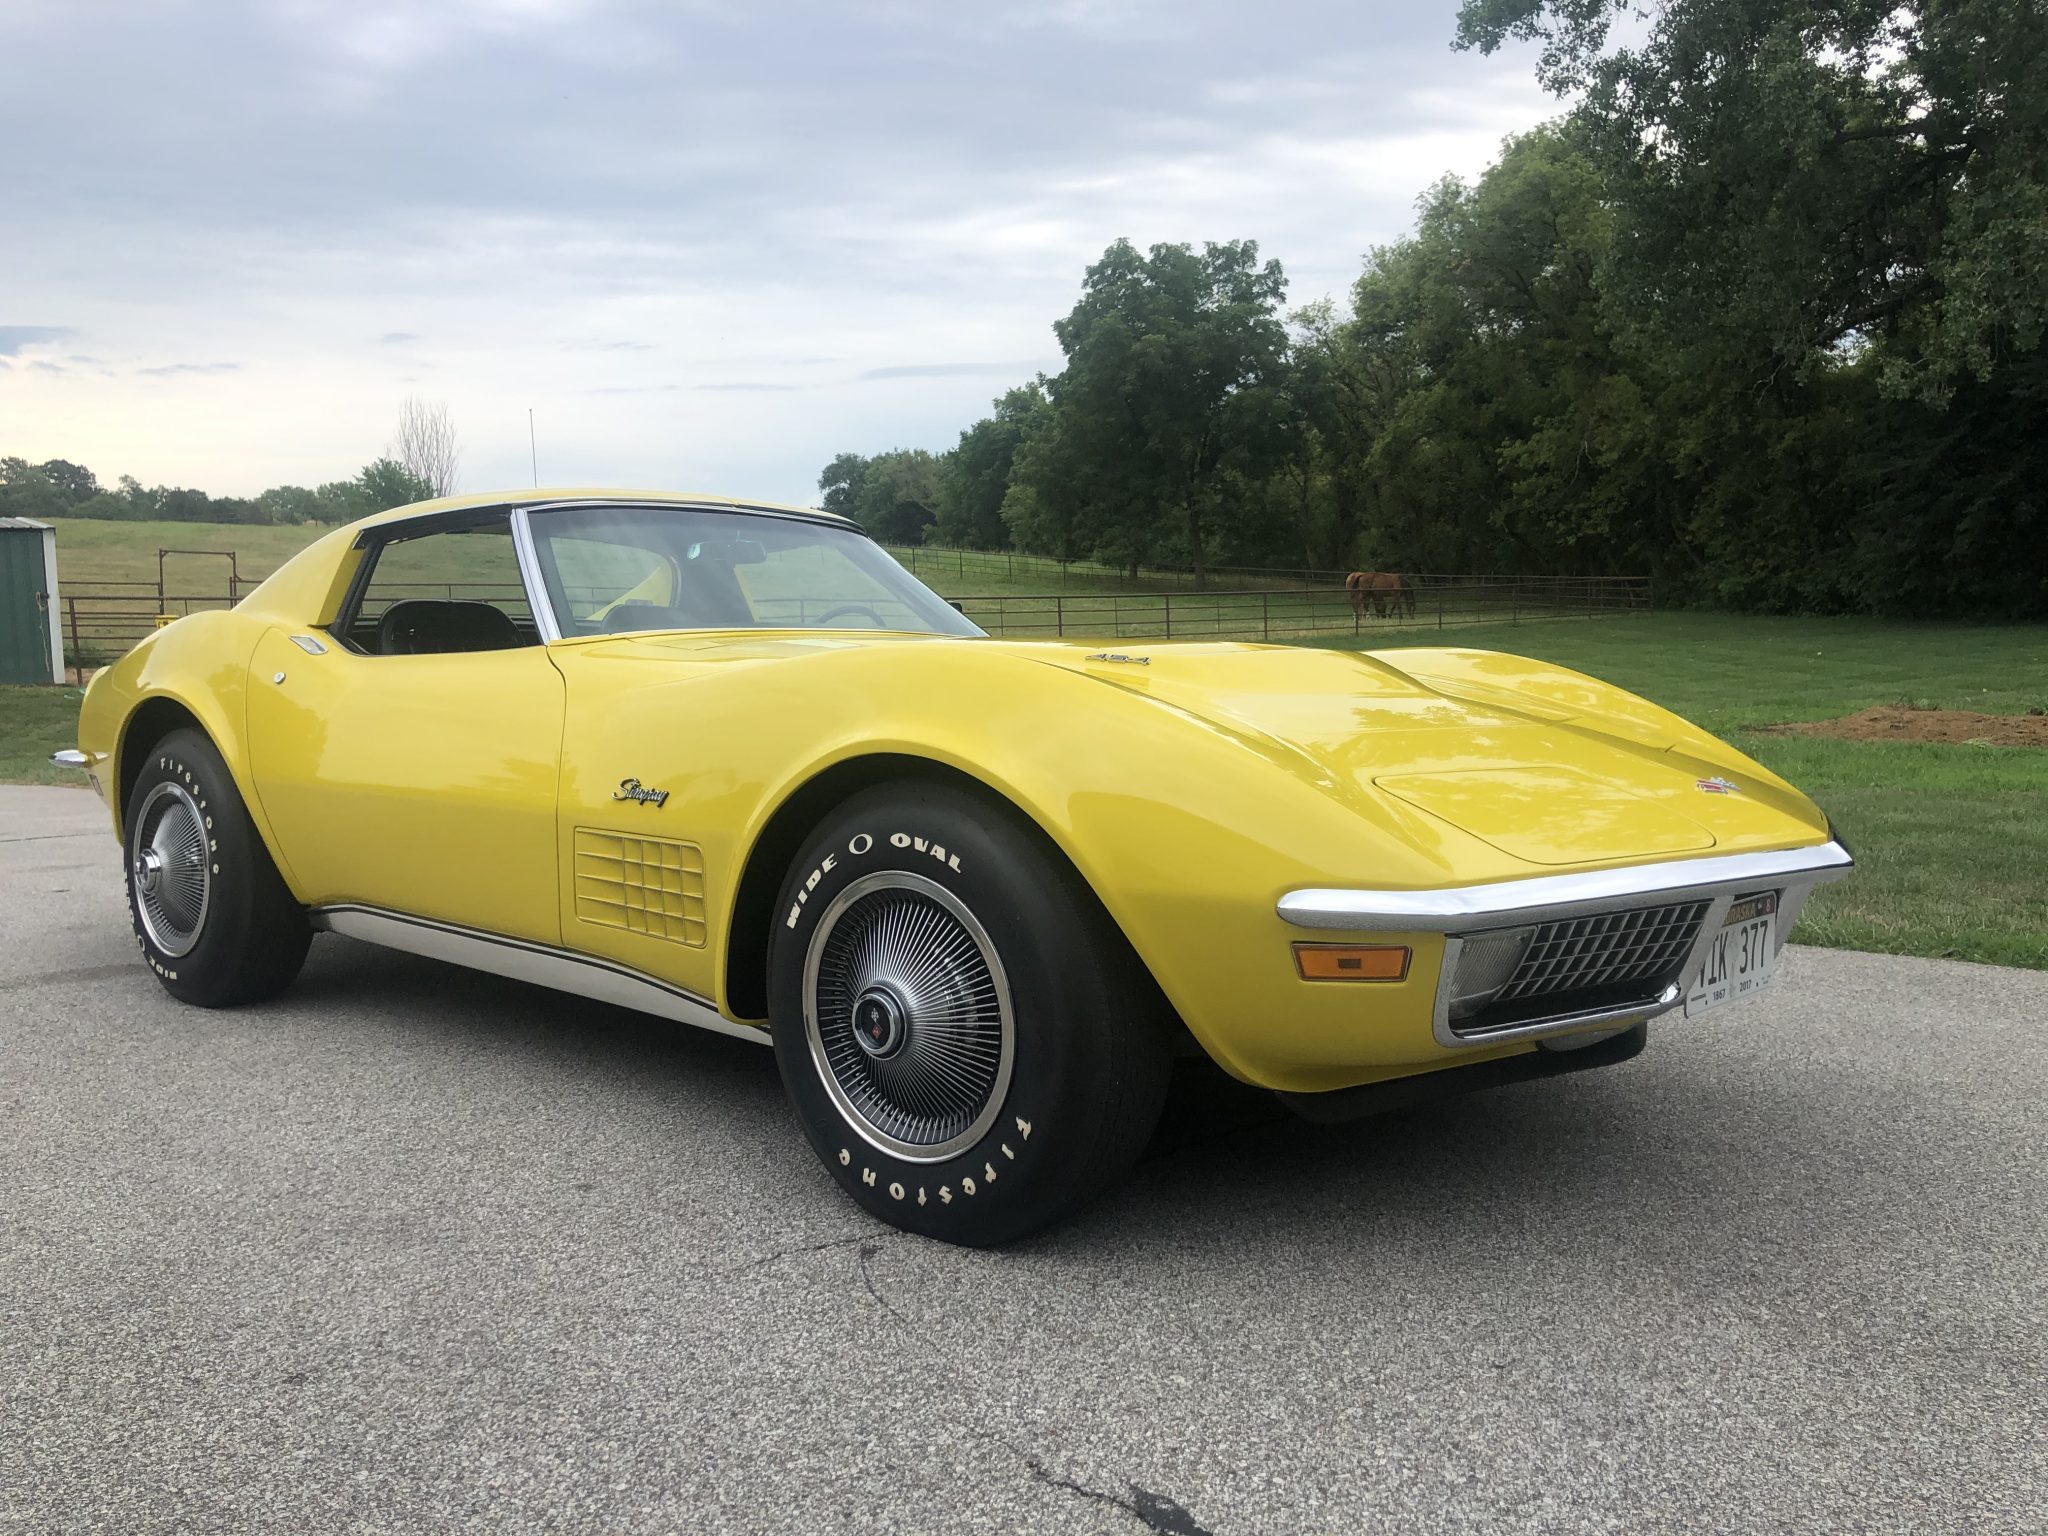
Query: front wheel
{"x": 213, "y": 916}
{"x": 967, "y": 1041}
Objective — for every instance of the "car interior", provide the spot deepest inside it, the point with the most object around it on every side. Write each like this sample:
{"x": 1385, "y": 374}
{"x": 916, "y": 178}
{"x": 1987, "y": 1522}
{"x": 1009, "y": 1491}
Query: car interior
{"x": 422, "y": 626}
{"x": 614, "y": 573}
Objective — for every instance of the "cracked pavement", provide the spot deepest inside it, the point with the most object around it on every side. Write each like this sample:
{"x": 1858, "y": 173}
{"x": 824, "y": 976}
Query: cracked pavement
{"x": 417, "y": 1249}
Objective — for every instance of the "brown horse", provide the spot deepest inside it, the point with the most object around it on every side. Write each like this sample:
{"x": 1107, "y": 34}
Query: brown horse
{"x": 1384, "y": 590}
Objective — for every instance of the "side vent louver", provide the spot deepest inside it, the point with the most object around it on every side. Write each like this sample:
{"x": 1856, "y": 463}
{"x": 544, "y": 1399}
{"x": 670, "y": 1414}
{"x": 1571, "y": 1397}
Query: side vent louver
{"x": 642, "y": 884}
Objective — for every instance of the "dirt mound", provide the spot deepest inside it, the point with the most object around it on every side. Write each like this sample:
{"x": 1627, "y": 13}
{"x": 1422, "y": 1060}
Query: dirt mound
{"x": 1890, "y": 723}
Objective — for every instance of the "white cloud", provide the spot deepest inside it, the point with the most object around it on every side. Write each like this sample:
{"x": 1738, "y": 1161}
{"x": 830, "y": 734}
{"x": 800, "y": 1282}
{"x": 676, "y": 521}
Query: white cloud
{"x": 711, "y": 245}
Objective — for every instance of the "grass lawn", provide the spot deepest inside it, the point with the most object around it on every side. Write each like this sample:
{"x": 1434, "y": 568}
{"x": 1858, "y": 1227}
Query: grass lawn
{"x": 34, "y": 722}
{"x": 94, "y": 550}
{"x": 1951, "y": 842}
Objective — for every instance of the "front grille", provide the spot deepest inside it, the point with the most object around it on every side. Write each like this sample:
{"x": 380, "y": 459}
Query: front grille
{"x": 1573, "y": 965}
{"x": 1610, "y": 948}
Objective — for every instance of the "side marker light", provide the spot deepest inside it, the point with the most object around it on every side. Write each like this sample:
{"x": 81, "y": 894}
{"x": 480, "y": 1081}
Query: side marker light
{"x": 1351, "y": 962}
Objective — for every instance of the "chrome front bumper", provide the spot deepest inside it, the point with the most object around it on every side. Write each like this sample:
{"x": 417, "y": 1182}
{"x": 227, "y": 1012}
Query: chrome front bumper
{"x": 86, "y": 763}
{"x": 1460, "y": 912}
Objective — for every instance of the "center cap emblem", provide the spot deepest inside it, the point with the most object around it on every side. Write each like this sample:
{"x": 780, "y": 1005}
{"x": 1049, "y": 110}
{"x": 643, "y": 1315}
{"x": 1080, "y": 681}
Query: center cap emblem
{"x": 878, "y": 1023}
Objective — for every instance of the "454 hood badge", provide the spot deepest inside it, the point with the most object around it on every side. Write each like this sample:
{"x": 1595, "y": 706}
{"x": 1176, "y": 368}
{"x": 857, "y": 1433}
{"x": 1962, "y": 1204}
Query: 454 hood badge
{"x": 633, "y": 789}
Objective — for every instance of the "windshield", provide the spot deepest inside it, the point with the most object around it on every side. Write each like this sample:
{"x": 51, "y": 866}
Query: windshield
{"x": 616, "y": 570}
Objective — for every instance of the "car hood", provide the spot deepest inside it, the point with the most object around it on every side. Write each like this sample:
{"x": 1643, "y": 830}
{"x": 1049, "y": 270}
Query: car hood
{"x": 1546, "y": 766}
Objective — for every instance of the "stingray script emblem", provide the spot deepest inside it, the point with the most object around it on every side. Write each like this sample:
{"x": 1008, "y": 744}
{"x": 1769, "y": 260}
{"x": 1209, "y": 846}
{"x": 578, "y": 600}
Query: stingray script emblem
{"x": 633, "y": 789}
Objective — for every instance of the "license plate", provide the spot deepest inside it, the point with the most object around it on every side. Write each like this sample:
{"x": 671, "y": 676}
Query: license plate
{"x": 1739, "y": 958}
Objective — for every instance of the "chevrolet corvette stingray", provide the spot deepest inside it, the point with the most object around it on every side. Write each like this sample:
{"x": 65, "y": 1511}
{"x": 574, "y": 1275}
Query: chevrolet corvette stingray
{"x": 730, "y": 764}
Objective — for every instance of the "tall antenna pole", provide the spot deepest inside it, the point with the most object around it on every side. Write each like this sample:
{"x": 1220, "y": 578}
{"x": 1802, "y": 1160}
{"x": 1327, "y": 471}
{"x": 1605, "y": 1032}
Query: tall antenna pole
{"x": 531, "y": 448}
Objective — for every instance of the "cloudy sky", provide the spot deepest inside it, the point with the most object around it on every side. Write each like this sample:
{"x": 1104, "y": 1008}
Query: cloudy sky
{"x": 709, "y": 243}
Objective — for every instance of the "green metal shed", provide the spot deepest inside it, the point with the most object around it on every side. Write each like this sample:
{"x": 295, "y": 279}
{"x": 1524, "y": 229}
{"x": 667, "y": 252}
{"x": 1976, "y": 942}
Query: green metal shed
{"x": 31, "y": 639}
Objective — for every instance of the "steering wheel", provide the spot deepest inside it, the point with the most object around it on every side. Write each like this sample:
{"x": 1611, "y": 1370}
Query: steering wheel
{"x": 862, "y": 608}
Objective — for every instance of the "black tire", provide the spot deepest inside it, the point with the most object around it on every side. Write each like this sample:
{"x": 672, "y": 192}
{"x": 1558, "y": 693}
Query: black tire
{"x": 925, "y": 1126}
{"x": 213, "y": 916}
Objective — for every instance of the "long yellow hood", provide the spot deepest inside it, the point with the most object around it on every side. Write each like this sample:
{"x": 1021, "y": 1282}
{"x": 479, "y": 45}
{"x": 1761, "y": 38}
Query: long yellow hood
{"x": 1545, "y": 765}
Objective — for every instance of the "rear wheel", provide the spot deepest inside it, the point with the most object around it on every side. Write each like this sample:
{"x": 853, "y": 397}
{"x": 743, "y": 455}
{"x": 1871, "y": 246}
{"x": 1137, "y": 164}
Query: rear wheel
{"x": 213, "y": 916}
{"x": 968, "y": 1043}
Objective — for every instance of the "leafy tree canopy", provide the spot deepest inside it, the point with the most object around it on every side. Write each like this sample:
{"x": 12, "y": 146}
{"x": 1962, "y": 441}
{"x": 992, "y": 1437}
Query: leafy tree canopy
{"x": 58, "y": 488}
{"x": 895, "y": 495}
{"x": 386, "y": 483}
{"x": 1172, "y": 357}
{"x": 1800, "y": 181}
{"x": 974, "y": 478}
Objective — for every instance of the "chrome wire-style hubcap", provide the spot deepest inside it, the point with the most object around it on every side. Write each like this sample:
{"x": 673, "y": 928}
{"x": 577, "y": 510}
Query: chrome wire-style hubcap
{"x": 908, "y": 1013}
{"x": 171, "y": 868}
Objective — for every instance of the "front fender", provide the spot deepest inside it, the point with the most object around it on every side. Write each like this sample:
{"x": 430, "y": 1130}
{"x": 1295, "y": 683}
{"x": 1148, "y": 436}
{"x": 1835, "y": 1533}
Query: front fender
{"x": 1187, "y": 832}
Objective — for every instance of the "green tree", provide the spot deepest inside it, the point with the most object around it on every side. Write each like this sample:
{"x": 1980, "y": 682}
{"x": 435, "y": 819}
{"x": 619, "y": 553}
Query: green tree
{"x": 236, "y": 509}
{"x": 1951, "y": 508}
{"x": 1520, "y": 438}
{"x": 290, "y": 504}
{"x": 1802, "y": 179}
{"x": 26, "y": 490}
{"x": 1341, "y": 391}
{"x": 974, "y": 478}
{"x": 74, "y": 482}
{"x": 179, "y": 504}
{"x": 1052, "y": 508}
{"x": 841, "y": 483}
{"x": 386, "y": 483}
{"x": 899, "y": 496}
{"x": 341, "y": 501}
{"x": 1170, "y": 358}
{"x": 137, "y": 495}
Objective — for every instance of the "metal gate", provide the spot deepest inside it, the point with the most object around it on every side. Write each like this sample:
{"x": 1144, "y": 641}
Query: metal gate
{"x": 30, "y": 647}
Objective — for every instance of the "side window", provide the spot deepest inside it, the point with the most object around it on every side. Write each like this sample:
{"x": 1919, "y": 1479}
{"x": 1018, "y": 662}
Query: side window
{"x": 451, "y": 589}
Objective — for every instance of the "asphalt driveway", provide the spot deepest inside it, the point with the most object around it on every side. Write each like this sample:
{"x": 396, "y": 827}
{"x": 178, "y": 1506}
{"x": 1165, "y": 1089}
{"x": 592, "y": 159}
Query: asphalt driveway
{"x": 415, "y": 1249}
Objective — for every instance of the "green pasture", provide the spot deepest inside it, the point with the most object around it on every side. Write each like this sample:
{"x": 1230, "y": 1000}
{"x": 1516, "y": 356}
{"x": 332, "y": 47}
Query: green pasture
{"x": 1951, "y": 842}
{"x": 34, "y": 722}
{"x": 93, "y": 552}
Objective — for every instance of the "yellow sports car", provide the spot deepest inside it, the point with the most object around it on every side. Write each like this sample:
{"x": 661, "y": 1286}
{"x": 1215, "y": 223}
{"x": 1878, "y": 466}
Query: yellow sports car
{"x": 732, "y": 765}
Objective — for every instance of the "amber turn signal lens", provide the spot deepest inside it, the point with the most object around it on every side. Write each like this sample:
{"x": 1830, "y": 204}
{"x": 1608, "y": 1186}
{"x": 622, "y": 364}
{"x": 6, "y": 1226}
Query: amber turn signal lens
{"x": 1351, "y": 962}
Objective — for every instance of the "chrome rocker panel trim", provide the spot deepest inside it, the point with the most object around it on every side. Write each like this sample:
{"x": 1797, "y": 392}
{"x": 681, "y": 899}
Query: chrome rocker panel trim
{"x": 1544, "y": 897}
{"x": 71, "y": 757}
{"x": 1461, "y": 910}
{"x": 603, "y": 981}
